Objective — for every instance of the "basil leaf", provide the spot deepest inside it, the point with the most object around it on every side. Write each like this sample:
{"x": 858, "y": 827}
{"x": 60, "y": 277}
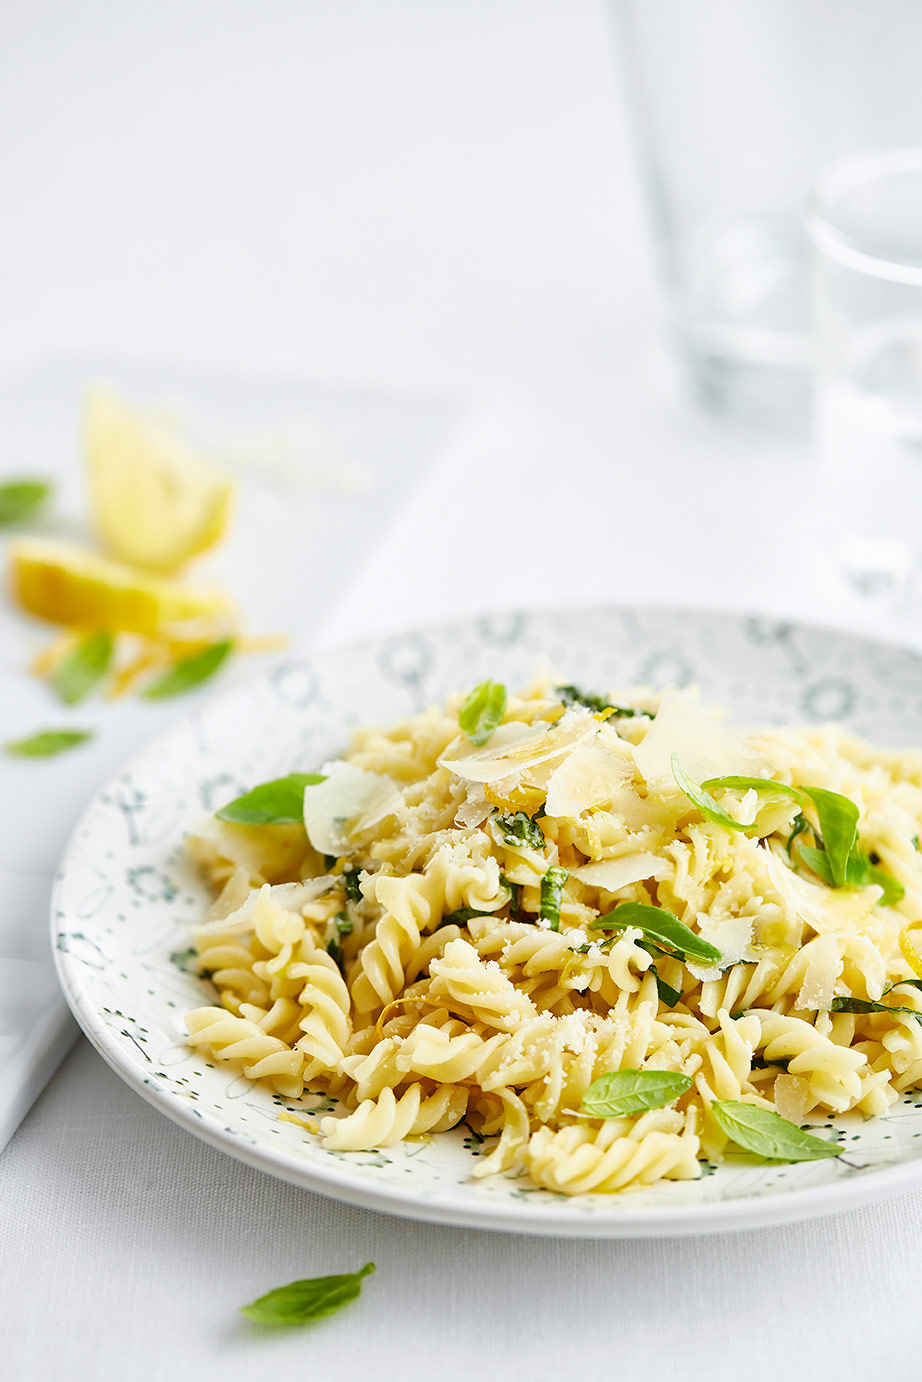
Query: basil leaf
{"x": 816, "y": 860}
{"x": 48, "y": 742}
{"x": 838, "y": 822}
{"x": 623, "y": 1092}
{"x": 800, "y": 824}
{"x": 767, "y": 1134}
{"x": 461, "y": 917}
{"x": 20, "y": 498}
{"x": 571, "y": 695}
{"x": 702, "y": 799}
{"x": 667, "y": 994}
{"x": 350, "y": 876}
{"x": 662, "y": 928}
{"x": 914, "y": 983}
{"x": 343, "y": 928}
{"x": 482, "y": 711}
{"x": 515, "y": 897}
{"x": 711, "y": 809}
{"x": 279, "y": 802}
{"x": 865, "y": 1005}
{"x": 767, "y": 786}
{"x": 190, "y": 672}
{"x": 520, "y": 829}
{"x": 861, "y": 872}
{"x": 551, "y": 894}
{"x": 311, "y": 1299}
{"x": 82, "y": 668}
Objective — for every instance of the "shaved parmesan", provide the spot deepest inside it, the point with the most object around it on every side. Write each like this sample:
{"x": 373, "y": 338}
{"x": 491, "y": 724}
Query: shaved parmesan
{"x": 823, "y": 908}
{"x": 475, "y": 808}
{"x": 612, "y": 874}
{"x": 290, "y": 896}
{"x": 733, "y": 938}
{"x": 514, "y": 748}
{"x": 346, "y": 805}
{"x": 792, "y": 1097}
{"x": 706, "y": 748}
{"x": 589, "y": 776}
{"x": 823, "y": 969}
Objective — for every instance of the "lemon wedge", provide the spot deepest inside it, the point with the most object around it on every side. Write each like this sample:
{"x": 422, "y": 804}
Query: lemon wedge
{"x": 70, "y": 585}
{"x": 154, "y": 503}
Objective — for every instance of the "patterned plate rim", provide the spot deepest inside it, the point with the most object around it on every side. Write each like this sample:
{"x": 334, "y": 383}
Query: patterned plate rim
{"x": 615, "y": 1221}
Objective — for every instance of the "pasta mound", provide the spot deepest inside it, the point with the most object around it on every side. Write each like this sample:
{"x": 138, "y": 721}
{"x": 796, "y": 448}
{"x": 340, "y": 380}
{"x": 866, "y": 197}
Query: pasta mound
{"x": 443, "y": 966}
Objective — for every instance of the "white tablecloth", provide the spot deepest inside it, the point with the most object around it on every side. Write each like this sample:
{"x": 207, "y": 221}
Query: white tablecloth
{"x": 437, "y": 195}
{"x": 128, "y": 1246}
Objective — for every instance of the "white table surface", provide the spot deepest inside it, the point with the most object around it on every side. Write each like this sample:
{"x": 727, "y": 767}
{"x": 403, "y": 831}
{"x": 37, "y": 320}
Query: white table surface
{"x": 436, "y": 197}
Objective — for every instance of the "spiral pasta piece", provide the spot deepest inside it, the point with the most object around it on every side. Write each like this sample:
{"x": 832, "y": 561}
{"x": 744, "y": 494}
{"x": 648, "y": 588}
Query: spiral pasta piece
{"x": 239, "y": 1039}
{"x": 383, "y": 1121}
{"x": 580, "y": 1160}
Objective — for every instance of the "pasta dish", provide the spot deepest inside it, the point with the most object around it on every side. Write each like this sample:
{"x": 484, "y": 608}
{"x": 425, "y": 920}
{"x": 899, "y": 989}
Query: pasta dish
{"x": 617, "y": 939}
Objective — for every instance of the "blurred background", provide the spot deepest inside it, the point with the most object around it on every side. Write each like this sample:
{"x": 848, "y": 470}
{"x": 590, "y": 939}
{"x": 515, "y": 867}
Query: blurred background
{"x": 402, "y": 192}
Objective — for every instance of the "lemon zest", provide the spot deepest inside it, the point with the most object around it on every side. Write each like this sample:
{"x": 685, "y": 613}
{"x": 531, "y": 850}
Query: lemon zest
{"x": 310, "y": 1124}
{"x": 909, "y": 952}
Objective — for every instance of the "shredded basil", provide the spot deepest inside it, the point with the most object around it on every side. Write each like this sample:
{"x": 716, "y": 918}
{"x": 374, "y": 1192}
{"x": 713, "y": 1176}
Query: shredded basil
{"x": 571, "y": 695}
{"x": 767, "y": 1134}
{"x": 914, "y": 983}
{"x": 624, "y": 1092}
{"x": 800, "y": 824}
{"x": 520, "y": 829}
{"x": 515, "y": 894}
{"x": 462, "y": 916}
{"x": 662, "y": 928}
{"x": 351, "y": 882}
{"x": 865, "y": 1005}
{"x": 482, "y": 711}
{"x": 667, "y": 994}
{"x": 279, "y": 802}
{"x": 551, "y": 894}
{"x": 311, "y": 1299}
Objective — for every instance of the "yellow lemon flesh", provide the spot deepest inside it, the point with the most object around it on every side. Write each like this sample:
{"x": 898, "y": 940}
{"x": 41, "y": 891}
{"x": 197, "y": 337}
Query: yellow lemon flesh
{"x": 69, "y": 585}
{"x": 154, "y": 503}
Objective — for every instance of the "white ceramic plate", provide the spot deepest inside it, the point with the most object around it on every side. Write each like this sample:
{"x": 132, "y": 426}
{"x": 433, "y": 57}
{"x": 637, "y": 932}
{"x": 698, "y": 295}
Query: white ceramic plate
{"x": 123, "y": 896}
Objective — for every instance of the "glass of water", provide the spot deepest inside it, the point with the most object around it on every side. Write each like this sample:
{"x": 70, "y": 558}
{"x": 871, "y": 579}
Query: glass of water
{"x": 864, "y": 220}
{"x": 735, "y": 106}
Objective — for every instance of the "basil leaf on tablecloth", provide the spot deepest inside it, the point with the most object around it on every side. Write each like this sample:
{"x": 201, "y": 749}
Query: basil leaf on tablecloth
{"x": 302, "y": 1301}
{"x": 48, "y": 742}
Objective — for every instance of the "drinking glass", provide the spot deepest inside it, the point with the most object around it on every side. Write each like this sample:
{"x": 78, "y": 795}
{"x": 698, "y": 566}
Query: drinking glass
{"x": 735, "y": 106}
{"x": 864, "y": 220}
